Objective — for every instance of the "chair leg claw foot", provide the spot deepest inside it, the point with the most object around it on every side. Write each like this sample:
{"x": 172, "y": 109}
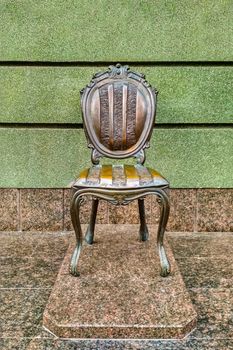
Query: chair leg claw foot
{"x": 74, "y": 272}
{"x": 165, "y": 271}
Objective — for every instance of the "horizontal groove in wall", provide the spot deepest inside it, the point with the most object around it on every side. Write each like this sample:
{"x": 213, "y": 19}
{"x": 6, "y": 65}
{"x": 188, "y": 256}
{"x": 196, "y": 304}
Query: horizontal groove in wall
{"x": 194, "y": 126}
{"x": 41, "y": 125}
{"x": 80, "y": 126}
{"x": 99, "y": 63}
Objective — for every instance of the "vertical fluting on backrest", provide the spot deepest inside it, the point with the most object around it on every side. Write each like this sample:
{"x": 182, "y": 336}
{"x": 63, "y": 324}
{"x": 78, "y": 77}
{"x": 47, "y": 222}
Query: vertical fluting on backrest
{"x": 131, "y": 116}
{"x": 118, "y": 105}
{"x": 118, "y": 120}
{"x": 104, "y": 116}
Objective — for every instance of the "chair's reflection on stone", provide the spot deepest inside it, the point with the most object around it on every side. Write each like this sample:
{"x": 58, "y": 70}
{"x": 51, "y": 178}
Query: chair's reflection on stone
{"x": 118, "y": 108}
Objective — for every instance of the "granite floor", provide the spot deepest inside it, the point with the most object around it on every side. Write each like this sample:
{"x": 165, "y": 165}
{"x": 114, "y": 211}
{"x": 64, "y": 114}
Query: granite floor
{"x": 28, "y": 269}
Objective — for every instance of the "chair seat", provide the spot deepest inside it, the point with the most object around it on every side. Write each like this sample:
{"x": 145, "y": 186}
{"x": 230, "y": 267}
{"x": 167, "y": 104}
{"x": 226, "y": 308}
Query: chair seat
{"x": 120, "y": 177}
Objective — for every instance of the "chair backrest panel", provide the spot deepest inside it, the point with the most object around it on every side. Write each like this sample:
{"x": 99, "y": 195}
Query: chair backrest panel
{"x": 118, "y": 112}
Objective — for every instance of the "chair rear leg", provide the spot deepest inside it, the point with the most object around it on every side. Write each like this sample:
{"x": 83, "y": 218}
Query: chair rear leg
{"x": 143, "y": 231}
{"x": 89, "y": 236}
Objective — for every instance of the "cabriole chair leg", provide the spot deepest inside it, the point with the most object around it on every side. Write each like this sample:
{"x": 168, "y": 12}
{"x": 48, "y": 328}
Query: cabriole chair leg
{"x": 89, "y": 236}
{"x": 75, "y": 213}
{"x": 143, "y": 231}
{"x": 164, "y": 209}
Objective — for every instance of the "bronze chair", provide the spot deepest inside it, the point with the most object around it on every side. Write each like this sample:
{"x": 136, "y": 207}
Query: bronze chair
{"x": 118, "y": 108}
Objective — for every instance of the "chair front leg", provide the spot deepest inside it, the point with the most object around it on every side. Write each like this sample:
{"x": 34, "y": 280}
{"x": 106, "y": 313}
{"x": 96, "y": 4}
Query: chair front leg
{"x": 89, "y": 236}
{"x": 164, "y": 215}
{"x": 143, "y": 231}
{"x": 75, "y": 213}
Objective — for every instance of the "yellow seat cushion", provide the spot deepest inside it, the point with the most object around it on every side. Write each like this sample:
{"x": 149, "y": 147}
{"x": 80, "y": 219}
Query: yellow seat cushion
{"x": 120, "y": 176}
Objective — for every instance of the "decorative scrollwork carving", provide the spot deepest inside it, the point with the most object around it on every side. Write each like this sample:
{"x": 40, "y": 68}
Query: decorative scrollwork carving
{"x": 140, "y": 157}
{"x": 118, "y": 71}
{"x": 95, "y": 156}
{"x": 119, "y": 199}
{"x": 115, "y": 72}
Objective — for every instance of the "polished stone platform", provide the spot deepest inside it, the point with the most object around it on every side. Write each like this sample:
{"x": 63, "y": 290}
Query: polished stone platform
{"x": 120, "y": 293}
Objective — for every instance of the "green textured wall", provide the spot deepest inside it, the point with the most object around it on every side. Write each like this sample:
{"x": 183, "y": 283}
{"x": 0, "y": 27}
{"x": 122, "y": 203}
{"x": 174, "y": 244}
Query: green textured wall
{"x": 52, "y": 158}
{"x": 51, "y": 95}
{"x": 49, "y": 51}
{"x": 122, "y": 30}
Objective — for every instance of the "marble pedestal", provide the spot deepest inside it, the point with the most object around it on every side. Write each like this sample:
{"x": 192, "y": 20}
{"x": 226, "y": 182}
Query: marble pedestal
{"x": 120, "y": 293}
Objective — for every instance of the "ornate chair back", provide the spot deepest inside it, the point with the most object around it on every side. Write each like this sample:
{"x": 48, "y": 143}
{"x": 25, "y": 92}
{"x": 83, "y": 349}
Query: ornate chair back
{"x": 118, "y": 109}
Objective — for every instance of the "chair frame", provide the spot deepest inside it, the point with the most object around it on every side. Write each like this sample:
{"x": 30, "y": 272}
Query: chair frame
{"x": 119, "y": 196}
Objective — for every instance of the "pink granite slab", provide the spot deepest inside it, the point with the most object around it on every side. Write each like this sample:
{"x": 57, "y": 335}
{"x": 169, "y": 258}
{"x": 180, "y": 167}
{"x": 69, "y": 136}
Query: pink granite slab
{"x": 120, "y": 293}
